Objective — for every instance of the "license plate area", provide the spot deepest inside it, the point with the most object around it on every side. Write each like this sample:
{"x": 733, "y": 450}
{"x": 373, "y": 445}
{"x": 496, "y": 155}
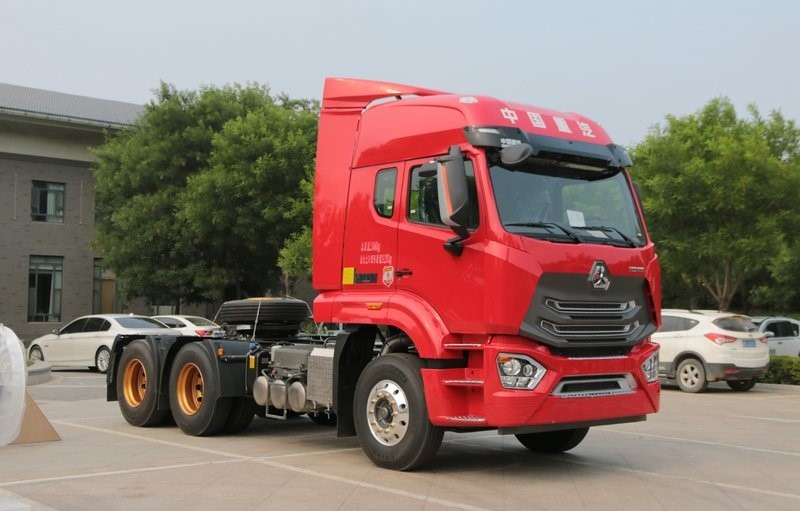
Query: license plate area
{"x": 748, "y": 343}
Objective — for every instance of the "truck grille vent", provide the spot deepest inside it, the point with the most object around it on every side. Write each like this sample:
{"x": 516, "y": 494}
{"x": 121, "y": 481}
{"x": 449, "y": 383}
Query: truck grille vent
{"x": 582, "y": 331}
{"x": 595, "y": 386}
{"x": 589, "y": 308}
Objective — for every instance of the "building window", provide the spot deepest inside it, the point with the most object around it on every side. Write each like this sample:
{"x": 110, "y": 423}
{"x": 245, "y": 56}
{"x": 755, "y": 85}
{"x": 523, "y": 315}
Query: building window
{"x": 47, "y": 202}
{"x": 44, "y": 288}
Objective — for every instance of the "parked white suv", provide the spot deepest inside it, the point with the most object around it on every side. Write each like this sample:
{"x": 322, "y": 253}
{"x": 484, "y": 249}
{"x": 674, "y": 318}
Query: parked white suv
{"x": 783, "y": 335}
{"x": 699, "y": 347}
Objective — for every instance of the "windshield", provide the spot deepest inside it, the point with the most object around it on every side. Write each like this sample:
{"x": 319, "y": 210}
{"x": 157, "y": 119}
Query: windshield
{"x": 568, "y": 206}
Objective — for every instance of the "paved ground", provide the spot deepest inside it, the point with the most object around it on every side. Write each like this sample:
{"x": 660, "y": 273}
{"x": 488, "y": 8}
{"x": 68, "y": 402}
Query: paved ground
{"x": 719, "y": 450}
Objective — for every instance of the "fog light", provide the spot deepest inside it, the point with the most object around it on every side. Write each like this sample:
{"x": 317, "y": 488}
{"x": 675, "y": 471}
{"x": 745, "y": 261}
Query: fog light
{"x": 650, "y": 368}
{"x": 519, "y": 371}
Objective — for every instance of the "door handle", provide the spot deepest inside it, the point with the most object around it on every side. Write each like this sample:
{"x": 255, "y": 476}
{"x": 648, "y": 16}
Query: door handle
{"x": 403, "y": 273}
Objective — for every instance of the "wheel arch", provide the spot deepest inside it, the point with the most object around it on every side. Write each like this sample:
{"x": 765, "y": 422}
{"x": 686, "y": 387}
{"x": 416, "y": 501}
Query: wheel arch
{"x": 683, "y": 356}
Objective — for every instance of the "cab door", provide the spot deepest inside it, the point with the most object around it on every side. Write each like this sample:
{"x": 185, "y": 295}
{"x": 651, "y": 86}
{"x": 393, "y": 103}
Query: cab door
{"x": 452, "y": 284}
{"x": 370, "y": 240}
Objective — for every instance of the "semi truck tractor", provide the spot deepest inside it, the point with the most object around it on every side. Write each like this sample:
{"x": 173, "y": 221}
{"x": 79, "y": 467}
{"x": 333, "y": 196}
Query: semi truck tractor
{"x": 487, "y": 267}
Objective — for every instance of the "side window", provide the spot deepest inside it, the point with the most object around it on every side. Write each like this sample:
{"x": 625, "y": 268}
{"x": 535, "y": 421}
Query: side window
{"x": 93, "y": 325}
{"x": 74, "y": 327}
{"x": 423, "y": 198}
{"x": 668, "y": 324}
{"x": 383, "y": 198}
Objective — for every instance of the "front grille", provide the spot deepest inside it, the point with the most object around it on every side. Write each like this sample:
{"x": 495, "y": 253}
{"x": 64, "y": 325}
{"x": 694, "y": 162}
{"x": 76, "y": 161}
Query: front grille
{"x": 591, "y": 351}
{"x": 577, "y": 331}
{"x": 567, "y": 313}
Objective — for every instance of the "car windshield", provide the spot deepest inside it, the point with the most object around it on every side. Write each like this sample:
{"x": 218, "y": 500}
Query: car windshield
{"x": 566, "y": 205}
{"x": 736, "y": 324}
{"x": 138, "y": 322}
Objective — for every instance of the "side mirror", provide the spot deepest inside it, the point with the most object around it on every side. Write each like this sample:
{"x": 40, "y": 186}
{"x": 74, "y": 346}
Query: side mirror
{"x": 515, "y": 154}
{"x": 453, "y": 192}
{"x": 54, "y": 331}
{"x": 769, "y": 335}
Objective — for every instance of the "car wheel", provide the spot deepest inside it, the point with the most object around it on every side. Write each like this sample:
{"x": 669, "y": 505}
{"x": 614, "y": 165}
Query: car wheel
{"x": 136, "y": 386}
{"x": 553, "y": 441}
{"x": 101, "y": 360}
{"x": 741, "y": 385}
{"x": 691, "y": 376}
{"x": 391, "y": 416}
{"x": 194, "y": 393}
{"x": 36, "y": 354}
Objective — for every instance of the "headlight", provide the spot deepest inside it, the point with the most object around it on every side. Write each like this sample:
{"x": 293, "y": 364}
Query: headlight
{"x": 650, "y": 368}
{"x": 519, "y": 371}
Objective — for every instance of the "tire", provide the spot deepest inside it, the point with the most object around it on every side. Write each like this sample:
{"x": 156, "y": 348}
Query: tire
{"x": 741, "y": 385}
{"x": 243, "y": 409}
{"x": 391, "y": 416}
{"x": 323, "y": 418}
{"x": 274, "y": 315}
{"x": 691, "y": 376}
{"x": 36, "y": 354}
{"x": 101, "y": 360}
{"x": 138, "y": 399}
{"x": 194, "y": 393}
{"x": 553, "y": 441}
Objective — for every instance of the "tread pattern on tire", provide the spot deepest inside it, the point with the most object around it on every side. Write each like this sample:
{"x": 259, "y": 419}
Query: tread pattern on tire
{"x": 283, "y": 314}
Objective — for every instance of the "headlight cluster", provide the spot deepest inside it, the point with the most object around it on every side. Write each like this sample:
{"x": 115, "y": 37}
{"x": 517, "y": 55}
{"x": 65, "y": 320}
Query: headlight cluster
{"x": 650, "y": 368}
{"x": 519, "y": 371}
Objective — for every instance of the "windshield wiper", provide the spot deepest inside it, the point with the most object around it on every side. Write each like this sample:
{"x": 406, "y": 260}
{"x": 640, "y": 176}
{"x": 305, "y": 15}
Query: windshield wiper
{"x": 608, "y": 228}
{"x": 549, "y": 226}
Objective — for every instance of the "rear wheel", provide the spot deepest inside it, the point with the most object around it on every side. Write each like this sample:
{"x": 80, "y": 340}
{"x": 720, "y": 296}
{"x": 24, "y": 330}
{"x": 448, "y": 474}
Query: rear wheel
{"x": 36, "y": 354}
{"x": 391, "y": 416}
{"x": 691, "y": 376}
{"x": 194, "y": 393}
{"x": 136, "y": 390}
{"x": 741, "y": 385}
{"x": 101, "y": 360}
{"x": 553, "y": 441}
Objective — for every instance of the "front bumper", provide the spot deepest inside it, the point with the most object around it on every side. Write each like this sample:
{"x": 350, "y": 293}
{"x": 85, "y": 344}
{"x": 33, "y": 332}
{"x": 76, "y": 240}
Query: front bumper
{"x": 574, "y": 391}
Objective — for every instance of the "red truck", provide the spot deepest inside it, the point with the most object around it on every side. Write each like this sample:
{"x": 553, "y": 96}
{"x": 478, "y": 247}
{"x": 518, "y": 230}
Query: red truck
{"x": 488, "y": 263}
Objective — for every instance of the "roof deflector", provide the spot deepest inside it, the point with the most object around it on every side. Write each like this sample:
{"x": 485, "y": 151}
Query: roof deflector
{"x": 354, "y": 93}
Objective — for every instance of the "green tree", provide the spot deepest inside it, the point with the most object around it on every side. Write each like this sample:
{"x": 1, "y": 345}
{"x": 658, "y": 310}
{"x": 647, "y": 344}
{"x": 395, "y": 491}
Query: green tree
{"x": 164, "y": 206}
{"x": 719, "y": 194}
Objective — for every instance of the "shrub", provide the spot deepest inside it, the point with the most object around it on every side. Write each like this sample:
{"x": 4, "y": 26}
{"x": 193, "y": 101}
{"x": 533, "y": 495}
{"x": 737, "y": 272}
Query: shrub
{"x": 784, "y": 370}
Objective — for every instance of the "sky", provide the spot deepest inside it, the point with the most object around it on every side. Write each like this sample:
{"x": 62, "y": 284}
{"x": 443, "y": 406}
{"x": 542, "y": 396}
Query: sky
{"x": 626, "y": 64}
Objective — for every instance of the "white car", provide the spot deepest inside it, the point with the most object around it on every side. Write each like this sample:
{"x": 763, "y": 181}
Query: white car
{"x": 190, "y": 325}
{"x": 700, "y": 347}
{"x": 87, "y": 341}
{"x": 783, "y": 335}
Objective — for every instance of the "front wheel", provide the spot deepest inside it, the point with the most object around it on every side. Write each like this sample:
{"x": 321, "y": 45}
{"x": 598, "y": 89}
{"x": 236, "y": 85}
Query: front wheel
{"x": 553, "y": 441}
{"x": 194, "y": 393}
{"x": 692, "y": 376}
{"x": 741, "y": 385}
{"x": 391, "y": 416}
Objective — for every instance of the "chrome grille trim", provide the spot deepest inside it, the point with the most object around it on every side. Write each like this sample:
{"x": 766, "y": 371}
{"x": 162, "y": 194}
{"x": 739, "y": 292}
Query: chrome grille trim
{"x": 589, "y": 308}
{"x": 581, "y": 330}
{"x": 595, "y": 386}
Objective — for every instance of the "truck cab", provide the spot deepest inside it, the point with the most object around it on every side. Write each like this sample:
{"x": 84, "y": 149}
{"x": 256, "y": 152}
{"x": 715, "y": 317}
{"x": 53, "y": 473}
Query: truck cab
{"x": 503, "y": 243}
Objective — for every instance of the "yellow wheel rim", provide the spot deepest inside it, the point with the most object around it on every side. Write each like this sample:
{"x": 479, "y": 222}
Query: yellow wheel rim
{"x": 189, "y": 389}
{"x": 134, "y": 383}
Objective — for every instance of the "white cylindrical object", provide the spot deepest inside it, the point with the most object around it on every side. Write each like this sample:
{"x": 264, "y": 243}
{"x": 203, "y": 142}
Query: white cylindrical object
{"x": 261, "y": 391}
{"x": 13, "y": 378}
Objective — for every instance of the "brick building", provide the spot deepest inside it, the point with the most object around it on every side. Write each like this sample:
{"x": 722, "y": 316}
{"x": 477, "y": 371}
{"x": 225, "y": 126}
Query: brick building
{"x": 49, "y": 273}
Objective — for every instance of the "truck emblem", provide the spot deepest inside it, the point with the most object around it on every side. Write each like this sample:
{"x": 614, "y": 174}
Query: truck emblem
{"x": 599, "y": 276}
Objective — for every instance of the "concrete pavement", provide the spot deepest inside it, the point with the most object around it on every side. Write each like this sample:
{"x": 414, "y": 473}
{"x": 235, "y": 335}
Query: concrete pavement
{"x": 720, "y": 450}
